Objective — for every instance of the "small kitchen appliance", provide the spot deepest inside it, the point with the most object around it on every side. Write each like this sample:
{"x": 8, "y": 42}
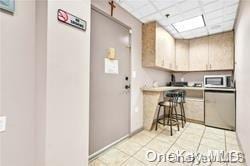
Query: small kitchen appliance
{"x": 217, "y": 81}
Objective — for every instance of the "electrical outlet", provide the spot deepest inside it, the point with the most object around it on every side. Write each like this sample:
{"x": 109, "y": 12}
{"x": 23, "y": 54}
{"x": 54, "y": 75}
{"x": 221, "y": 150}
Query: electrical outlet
{"x": 3, "y": 121}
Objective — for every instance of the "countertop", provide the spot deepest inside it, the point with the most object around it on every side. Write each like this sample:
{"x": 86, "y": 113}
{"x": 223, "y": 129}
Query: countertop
{"x": 166, "y": 88}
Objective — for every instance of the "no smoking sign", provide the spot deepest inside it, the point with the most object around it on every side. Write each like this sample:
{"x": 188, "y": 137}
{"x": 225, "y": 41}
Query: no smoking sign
{"x": 72, "y": 20}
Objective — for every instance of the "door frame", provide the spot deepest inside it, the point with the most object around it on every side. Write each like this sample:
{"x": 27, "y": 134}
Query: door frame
{"x": 130, "y": 76}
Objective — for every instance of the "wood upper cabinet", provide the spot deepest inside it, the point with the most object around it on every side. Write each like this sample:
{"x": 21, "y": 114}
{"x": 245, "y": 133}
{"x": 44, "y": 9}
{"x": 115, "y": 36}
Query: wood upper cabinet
{"x": 198, "y": 54}
{"x": 158, "y": 47}
{"x": 182, "y": 55}
{"x": 221, "y": 51}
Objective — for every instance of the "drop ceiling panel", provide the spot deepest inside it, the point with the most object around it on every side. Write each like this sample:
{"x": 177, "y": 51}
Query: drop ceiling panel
{"x": 219, "y": 15}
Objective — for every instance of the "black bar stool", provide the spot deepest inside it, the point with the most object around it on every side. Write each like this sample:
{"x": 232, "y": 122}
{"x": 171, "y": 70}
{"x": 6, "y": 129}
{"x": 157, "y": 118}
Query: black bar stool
{"x": 170, "y": 103}
{"x": 181, "y": 101}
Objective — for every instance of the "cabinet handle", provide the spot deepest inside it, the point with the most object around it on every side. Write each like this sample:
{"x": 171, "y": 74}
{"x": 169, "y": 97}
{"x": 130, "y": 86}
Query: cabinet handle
{"x": 206, "y": 66}
{"x": 210, "y": 66}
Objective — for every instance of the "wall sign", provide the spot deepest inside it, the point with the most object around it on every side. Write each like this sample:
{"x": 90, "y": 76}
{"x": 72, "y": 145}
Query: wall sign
{"x": 8, "y": 5}
{"x": 111, "y": 66}
{"x": 72, "y": 20}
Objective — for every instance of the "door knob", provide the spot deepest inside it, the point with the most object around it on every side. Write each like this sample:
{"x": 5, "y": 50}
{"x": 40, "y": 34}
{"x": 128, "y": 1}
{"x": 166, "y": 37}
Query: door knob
{"x": 127, "y": 86}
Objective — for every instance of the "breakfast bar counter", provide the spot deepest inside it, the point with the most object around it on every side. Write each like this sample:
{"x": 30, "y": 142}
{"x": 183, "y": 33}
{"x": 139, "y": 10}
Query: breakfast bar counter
{"x": 152, "y": 95}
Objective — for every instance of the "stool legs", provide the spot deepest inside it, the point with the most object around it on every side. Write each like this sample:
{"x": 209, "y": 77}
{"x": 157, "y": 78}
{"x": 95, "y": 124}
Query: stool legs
{"x": 171, "y": 120}
{"x": 176, "y": 118}
{"x": 158, "y": 116}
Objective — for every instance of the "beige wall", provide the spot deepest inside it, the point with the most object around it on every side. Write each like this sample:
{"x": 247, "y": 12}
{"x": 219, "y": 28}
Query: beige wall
{"x": 143, "y": 76}
{"x": 242, "y": 42}
{"x": 17, "y": 58}
{"x": 68, "y": 59}
{"x": 62, "y": 85}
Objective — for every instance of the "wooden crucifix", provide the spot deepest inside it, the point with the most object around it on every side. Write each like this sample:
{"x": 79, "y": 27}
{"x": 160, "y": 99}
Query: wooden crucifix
{"x": 112, "y": 4}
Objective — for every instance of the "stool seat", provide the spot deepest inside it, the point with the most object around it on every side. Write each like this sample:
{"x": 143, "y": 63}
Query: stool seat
{"x": 166, "y": 103}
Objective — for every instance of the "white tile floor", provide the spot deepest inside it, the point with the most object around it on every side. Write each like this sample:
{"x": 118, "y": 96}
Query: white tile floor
{"x": 192, "y": 138}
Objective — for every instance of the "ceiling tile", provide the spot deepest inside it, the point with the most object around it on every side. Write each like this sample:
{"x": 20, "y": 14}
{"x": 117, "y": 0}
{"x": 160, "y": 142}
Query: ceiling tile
{"x": 162, "y": 4}
{"x": 214, "y": 14}
{"x": 153, "y": 17}
{"x": 216, "y": 5}
{"x": 136, "y": 4}
{"x": 171, "y": 10}
{"x": 144, "y": 11}
{"x": 230, "y": 9}
{"x": 205, "y": 2}
{"x": 192, "y": 13}
{"x": 218, "y": 20}
{"x": 188, "y": 5}
{"x": 230, "y": 2}
{"x": 126, "y": 7}
{"x": 229, "y": 17}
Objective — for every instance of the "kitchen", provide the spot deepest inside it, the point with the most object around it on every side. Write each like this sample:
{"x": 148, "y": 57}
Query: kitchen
{"x": 215, "y": 55}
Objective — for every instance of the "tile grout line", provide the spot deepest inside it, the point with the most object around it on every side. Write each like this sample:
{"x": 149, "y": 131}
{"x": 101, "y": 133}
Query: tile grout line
{"x": 142, "y": 146}
{"x": 175, "y": 141}
{"x": 201, "y": 138}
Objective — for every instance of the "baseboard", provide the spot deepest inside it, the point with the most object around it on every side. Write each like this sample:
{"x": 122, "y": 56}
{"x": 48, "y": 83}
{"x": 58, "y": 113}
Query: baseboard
{"x": 94, "y": 155}
{"x": 136, "y": 131}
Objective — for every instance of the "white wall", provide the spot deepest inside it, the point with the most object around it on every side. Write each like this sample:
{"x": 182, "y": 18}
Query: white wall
{"x": 17, "y": 58}
{"x": 242, "y": 48}
{"x": 143, "y": 76}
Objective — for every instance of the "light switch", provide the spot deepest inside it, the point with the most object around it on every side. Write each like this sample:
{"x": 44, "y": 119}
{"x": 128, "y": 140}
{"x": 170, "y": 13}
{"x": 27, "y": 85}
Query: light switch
{"x": 3, "y": 120}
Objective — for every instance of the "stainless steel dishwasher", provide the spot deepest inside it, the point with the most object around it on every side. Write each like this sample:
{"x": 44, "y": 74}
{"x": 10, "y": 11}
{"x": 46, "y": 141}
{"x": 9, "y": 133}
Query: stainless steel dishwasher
{"x": 220, "y": 109}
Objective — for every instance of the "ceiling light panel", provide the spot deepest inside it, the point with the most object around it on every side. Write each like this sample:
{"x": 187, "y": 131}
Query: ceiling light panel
{"x": 190, "y": 24}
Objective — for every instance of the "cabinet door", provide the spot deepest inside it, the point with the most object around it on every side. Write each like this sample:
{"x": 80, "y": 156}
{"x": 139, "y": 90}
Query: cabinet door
{"x": 161, "y": 47}
{"x": 182, "y": 55}
{"x": 198, "y": 54}
{"x": 165, "y": 49}
{"x": 194, "y": 110}
{"x": 170, "y": 56}
{"x": 221, "y": 51}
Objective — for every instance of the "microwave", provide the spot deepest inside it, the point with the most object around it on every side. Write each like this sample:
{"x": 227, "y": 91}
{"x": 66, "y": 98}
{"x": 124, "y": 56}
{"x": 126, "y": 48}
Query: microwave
{"x": 217, "y": 81}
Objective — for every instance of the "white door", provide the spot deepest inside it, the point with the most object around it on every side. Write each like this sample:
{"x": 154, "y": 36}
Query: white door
{"x": 109, "y": 93}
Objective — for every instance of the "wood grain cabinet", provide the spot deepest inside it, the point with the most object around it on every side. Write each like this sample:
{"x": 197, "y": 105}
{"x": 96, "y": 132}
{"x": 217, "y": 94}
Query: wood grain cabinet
{"x": 198, "y": 54}
{"x": 221, "y": 51}
{"x": 211, "y": 53}
{"x": 194, "y": 110}
{"x": 158, "y": 47}
{"x": 182, "y": 55}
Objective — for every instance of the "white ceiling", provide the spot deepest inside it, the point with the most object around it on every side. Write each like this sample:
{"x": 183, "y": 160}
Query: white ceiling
{"x": 219, "y": 15}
